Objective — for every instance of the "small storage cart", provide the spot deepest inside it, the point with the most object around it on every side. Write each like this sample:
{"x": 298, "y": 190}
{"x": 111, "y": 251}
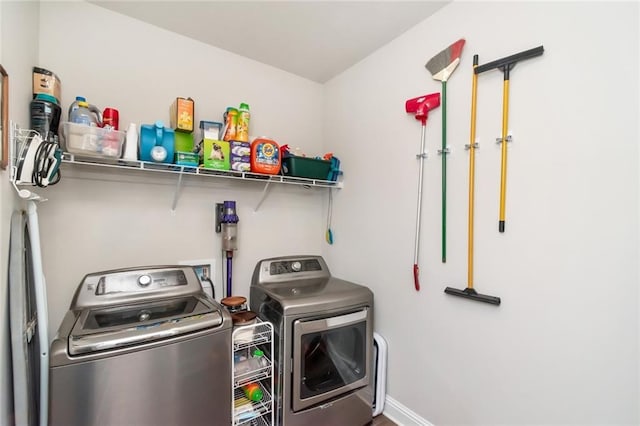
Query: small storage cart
{"x": 252, "y": 374}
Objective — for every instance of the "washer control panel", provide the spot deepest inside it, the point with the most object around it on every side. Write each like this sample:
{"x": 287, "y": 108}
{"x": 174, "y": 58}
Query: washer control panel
{"x": 131, "y": 284}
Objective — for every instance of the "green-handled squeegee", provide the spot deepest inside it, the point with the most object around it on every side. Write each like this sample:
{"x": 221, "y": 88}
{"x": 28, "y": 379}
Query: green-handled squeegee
{"x": 441, "y": 67}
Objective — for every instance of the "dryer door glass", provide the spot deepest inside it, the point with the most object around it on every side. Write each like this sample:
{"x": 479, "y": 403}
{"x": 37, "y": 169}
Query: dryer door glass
{"x": 330, "y": 357}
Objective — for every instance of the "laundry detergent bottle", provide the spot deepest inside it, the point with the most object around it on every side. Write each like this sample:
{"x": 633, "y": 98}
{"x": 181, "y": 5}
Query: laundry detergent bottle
{"x": 242, "y": 132}
{"x": 266, "y": 156}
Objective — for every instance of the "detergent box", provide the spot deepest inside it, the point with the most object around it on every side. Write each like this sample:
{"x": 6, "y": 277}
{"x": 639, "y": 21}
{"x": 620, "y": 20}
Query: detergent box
{"x": 181, "y": 115}
{"x": 240, "y": 156}
{"x": 216, "y": 155}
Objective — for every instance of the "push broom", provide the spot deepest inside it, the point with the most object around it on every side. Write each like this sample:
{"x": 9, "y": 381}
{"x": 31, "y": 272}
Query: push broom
{"x": 470, "y": 292}
{"x": 420, "y": 107}
{"x": 441, "y": 67}
{"x": 505, "y": 65}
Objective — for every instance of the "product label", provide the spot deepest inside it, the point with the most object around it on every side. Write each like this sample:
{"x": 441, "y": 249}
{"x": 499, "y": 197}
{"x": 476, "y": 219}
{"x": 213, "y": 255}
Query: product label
{"x": 185, "y": 114}
{"x": 216, "y": 154}
{"x": 267, "y": 153}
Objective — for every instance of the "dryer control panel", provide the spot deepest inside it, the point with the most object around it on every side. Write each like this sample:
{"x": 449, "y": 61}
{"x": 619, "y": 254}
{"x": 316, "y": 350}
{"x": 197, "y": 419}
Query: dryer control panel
{"x": 294, "y": 266}
{"x": 281, "y": 269}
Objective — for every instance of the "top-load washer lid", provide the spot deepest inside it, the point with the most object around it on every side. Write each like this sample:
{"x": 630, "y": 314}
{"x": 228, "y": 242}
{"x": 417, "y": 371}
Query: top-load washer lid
{"x": 119, "y": 326}
{"x": 131, "y": 306}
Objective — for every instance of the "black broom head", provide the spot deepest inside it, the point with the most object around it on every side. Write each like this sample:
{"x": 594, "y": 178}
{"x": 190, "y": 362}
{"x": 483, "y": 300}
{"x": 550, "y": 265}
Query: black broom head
{"x": 470, "y": 293}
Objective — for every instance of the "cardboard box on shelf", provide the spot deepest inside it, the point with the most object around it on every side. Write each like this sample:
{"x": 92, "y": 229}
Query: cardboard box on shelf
{"x": 45, "y": 81}
{"x": 181, "y": 115}
{"x": 216, "y": 155}
{"x": 240, "y": 156}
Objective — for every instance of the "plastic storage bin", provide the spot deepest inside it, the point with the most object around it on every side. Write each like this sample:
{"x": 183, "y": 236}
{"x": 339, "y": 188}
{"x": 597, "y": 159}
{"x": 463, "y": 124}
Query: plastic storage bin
{"x": 93, "y": 141}
{"x": 305, "y": 167}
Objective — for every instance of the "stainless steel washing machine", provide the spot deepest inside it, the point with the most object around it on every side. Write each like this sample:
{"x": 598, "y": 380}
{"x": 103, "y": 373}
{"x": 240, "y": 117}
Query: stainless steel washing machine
{"x": 323, "y": 346}
{"x": 141, "y": 346}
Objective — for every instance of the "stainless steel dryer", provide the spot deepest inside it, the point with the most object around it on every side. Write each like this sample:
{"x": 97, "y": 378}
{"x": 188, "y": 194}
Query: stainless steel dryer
{"x": 323, "y": 344}
{"x": 141, "y": 346}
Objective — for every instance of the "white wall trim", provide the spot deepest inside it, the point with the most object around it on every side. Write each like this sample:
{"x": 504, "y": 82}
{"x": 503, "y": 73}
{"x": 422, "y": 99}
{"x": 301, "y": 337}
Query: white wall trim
{"x": 402, "y": 415}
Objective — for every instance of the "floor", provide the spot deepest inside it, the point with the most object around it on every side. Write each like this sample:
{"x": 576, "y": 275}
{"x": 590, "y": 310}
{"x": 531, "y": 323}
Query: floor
{"x": 381, "y": 420}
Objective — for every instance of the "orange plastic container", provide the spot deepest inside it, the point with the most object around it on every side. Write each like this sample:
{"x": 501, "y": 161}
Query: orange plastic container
{"x": 266, "y": 156}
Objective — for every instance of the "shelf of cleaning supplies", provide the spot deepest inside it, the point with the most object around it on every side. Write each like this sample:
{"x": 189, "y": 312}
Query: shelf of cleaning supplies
{"x": 181, "y": 171}
{"x": 196, "y": 171}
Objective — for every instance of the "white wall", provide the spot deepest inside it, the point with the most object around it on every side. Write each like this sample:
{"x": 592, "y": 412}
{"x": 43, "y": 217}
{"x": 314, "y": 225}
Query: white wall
{"x": 18, "y": 53}
{"x": 563, "y": 346}
{"x": 99, "y": 221}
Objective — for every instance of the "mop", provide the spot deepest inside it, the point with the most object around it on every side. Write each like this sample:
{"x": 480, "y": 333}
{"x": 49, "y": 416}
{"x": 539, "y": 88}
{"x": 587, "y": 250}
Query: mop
{"x": 470, "y": 292}
{"x": 420, "y": 107}
{"x": 441, "y": 67}
{"x": 506, "y": 65}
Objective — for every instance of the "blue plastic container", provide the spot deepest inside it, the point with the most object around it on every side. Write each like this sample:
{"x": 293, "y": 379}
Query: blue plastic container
{"x": 157, "y": 143}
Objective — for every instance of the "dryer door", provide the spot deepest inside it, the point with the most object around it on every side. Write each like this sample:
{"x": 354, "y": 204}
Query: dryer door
{"x": 118, "y": 326}
{"x": 331, "y": 356}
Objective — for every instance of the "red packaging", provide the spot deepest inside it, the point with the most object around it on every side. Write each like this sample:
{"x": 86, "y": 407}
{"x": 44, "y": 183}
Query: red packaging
{"x": 110, "y": 118}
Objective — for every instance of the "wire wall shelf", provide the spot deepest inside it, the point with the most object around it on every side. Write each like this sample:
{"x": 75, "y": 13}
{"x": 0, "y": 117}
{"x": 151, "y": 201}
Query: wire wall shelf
{"x": 195, "y": 171}
{"x": 181, "y": 170}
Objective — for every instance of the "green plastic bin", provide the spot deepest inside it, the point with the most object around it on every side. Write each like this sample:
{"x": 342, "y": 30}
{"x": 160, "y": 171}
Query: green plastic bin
{"x": 311, "y": 168}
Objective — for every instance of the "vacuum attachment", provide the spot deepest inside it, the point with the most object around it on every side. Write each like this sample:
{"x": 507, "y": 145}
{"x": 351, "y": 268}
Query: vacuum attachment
{"x": 470, "y": 293}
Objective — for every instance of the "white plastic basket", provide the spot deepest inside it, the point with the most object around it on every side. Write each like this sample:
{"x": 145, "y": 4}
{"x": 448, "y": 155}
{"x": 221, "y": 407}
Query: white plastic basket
{"x": 92, "y": 141}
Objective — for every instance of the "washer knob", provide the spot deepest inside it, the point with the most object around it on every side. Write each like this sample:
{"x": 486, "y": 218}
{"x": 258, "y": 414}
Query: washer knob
{"x": 296, "y": 266}
{"x": 144, "y": 280}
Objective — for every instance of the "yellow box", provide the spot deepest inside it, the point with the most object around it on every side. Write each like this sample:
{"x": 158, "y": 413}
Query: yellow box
{"x": 181, "y": 115}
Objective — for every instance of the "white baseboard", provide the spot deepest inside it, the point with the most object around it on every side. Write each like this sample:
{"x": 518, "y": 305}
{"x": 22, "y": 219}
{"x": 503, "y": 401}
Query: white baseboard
{"x": 401, "y": 415}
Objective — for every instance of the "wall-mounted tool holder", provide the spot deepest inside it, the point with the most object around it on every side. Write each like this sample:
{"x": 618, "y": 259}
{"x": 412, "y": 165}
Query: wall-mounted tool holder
{"x": 22, "y": 146}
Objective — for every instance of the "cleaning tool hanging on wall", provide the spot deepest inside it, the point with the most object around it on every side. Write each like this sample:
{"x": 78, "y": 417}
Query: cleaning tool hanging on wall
{"x": 470, "y": 292}
{"x": 329, "y": 232}
{"x": 420, "y": 107}
{"x": 227, "y": 223}
{"x": 441, "y": 67}
{"x": 506, "y": 65}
